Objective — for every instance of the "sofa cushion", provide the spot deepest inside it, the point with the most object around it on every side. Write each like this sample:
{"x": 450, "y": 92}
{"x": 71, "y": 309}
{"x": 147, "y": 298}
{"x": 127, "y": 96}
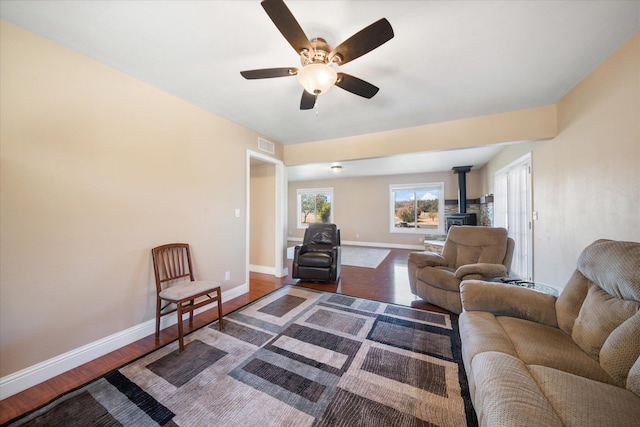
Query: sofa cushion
{"x": 570, "y": 301}
{"x": 480, "y": 332}
{"x": 507, "y": 395}
{"x": 633, "y": 380}
{"x": 315, "y": 259}
{"x": 467, "y": 255}
{"x": 441, "y": 277}
{"x": 600, "y": 314}
{"x": 621, "y": 350}
{"x": 583, "y": 402}
{"x": 538, "y": 344}
{"x": 470, "y": 244}
{"x": 614, "y": 266}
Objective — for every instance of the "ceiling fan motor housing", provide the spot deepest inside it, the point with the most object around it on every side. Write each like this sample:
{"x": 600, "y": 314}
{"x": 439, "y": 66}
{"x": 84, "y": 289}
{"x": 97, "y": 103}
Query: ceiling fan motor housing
{"x": 321, "y": 52}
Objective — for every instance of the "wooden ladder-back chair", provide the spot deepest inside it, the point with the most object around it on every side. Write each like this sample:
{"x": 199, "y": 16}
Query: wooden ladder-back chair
{"x": 175, "y": 284}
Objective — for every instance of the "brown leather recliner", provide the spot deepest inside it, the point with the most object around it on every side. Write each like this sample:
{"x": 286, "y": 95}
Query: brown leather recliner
{"x": 469, "y": 252}
{"x": 318, "y": 258}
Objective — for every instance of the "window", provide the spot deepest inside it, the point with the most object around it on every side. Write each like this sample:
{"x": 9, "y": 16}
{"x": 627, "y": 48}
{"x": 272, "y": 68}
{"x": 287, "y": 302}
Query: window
{"x": 314, "y": 205}
{"x": 417, "y": 208}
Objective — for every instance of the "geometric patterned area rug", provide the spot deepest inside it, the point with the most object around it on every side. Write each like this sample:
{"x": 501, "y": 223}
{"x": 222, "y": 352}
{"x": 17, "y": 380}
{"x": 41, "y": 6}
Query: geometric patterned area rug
{"x": 296, "y": 357}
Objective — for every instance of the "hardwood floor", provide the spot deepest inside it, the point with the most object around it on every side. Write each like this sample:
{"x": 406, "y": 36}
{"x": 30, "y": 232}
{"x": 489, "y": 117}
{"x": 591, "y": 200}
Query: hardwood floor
{"x": 388, "y": 283}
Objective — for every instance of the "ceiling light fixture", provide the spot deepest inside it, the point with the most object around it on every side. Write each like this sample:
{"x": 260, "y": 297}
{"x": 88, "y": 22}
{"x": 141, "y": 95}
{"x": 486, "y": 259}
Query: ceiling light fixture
{"x": 317, "y": 78}
{"x": 336, "y": 167}
{"x": 317, "y": 74}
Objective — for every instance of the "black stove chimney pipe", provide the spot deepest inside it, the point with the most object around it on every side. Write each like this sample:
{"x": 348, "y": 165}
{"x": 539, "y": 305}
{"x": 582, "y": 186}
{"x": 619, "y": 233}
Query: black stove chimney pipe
{"x": 462, "y": 187}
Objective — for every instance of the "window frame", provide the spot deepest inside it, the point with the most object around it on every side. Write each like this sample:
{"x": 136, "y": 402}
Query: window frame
{"x": 415, "y": 187}
{"x": 313, "y": 191}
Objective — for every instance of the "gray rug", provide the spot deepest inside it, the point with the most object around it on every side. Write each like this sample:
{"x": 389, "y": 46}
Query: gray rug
{"x": 357, "y": 256}
{"x": 296, "y": 357}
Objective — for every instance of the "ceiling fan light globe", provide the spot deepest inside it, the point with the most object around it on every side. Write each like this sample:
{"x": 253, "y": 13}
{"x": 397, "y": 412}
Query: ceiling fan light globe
{"x": 317, "y": 78}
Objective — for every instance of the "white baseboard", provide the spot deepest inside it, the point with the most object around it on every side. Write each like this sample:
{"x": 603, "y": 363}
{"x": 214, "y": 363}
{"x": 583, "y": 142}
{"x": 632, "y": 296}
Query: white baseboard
{"x": 33, "y": 375}
{"x": 262, "y": 269}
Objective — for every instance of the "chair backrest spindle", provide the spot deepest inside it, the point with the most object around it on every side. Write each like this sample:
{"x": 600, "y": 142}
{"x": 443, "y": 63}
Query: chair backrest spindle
{"x": 171, "y": 262}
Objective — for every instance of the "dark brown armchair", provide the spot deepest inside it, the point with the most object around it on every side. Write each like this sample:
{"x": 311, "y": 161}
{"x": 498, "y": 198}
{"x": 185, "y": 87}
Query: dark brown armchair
{"x": 318, "y": 258}
{"x": 481, "y": 253}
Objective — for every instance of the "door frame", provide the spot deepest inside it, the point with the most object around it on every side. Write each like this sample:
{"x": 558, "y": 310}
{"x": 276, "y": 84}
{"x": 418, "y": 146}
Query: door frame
{"x": 280, "y": 212}
{"x": 524, "y": 161}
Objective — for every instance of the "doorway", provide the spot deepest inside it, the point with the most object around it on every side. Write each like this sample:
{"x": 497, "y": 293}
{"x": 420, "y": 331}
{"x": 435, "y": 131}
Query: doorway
{"x": 512, "y": 210}
{"x": 266, "y": 215}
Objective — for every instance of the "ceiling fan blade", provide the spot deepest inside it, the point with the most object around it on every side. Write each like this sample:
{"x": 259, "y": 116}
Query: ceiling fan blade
{"x": 308, "y": 101}
{"x": 363, "y": 41}
{"x": 267, "y": 73}
{"x": 356, "y": 85}
{"x": 287, "y": 24}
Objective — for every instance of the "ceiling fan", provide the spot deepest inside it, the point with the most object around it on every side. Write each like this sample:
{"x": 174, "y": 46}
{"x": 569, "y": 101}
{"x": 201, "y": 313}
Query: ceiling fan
{"x": 317, "y": 74}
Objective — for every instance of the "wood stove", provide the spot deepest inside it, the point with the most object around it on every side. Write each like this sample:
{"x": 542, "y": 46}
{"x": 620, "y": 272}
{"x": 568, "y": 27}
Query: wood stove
{"x": 462, "y": 217}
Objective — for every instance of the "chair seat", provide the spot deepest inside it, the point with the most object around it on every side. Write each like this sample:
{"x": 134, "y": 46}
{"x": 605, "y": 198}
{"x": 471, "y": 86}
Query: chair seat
{"x": 315, "y": 259}
{"x": 440, "y": 277}
{"x": 185, "y": 290}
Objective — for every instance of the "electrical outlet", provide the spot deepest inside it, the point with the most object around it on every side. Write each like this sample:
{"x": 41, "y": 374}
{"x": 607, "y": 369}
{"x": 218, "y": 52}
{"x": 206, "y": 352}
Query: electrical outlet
{"x": 227, "y": 275}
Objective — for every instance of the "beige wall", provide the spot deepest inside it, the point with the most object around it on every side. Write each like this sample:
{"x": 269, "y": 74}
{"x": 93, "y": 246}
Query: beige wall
{"x": 97, "y": 168}
{"x": 262, "y": 215}
{"x": 587, "y": 180}
{"x": 524, "y": 125}
{"x": 361, "y": 205}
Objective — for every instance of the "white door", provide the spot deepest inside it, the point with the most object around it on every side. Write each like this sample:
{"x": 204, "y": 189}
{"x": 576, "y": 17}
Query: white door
{"x": 512, "y": 210}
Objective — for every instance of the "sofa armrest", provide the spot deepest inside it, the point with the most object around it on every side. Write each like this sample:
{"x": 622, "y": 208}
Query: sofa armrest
{"x": 486, "y": 270}
{"x": 427, "y": 259}
{"x": 502, "y": 299}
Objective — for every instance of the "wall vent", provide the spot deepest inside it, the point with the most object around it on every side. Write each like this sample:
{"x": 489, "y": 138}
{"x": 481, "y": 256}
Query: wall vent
{"x": 267, "y": 146}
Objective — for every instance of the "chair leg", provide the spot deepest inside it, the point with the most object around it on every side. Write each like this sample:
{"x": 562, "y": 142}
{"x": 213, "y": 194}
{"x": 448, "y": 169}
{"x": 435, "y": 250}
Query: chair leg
{"x": 191, "y": 313}
{"x": 158, "y": 305}
{"x": 180, "y": 332}
{"x": 220, "y": 324}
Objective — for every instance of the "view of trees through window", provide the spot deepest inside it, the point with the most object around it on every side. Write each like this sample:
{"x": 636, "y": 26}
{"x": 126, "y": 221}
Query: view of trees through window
{"x": 314, "y": 205}
{"x": 417, "y": 207}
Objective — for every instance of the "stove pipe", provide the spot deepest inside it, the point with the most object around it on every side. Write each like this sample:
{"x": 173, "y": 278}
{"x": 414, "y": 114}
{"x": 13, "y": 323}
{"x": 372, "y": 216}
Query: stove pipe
{"x": 462, "y": 186}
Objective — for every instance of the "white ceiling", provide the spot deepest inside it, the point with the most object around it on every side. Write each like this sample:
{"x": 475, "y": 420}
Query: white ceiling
{"x": 448, "y": 60}
{"x": 433, "y": 161}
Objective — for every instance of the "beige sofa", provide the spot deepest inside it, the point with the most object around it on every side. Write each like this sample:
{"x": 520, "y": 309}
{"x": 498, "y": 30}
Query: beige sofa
{"x": 534, "y": 359}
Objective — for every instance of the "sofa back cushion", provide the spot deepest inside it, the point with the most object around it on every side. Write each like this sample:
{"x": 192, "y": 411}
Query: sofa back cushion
{"x": 322, "y": 234}
{"x": 633, "y": 380}
{"x": 570, "y": 301}
{"x": 606, "y": 289}
{"x": 620, "y": 351}
{"x": 470, "y": 245}
{"x": 600, "y": 315}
